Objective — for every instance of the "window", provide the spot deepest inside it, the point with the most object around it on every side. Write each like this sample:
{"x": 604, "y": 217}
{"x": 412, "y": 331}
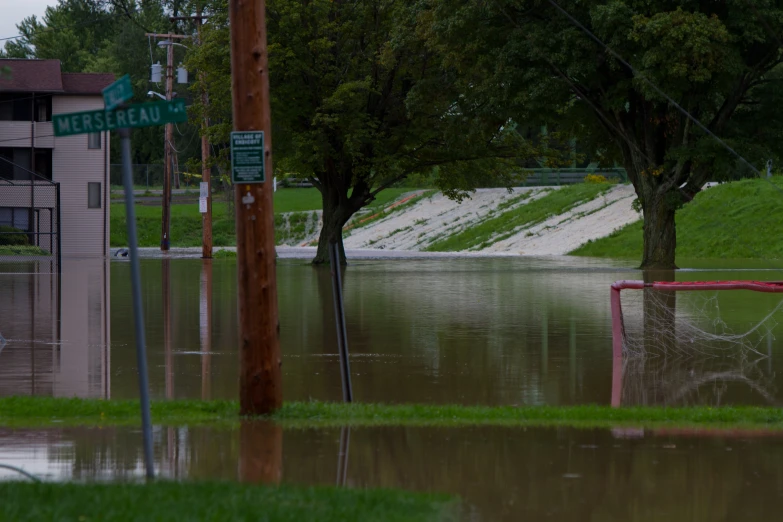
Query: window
{"x": 93, "y": 195}
{"x": 94, "y": 140}
{"x": 43, "y": 108}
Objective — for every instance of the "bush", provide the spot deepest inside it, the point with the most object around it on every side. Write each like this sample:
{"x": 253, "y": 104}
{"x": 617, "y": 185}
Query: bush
{"x": 595, "y": 178}
{"x": 12, "y": 236}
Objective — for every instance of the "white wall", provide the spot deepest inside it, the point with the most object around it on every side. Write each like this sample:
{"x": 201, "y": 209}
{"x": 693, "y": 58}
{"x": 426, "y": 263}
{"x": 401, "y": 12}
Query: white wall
{"x": 85, "y": 231}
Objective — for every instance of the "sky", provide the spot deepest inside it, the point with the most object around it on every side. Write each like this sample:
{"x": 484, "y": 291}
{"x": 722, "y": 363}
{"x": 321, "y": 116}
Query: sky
{"x": 14, "y": 11}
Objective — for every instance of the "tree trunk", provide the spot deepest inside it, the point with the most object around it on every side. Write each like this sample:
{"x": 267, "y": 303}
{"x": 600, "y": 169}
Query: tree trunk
{"x": 660, "y": 234}
{"x": 336, "y": 214}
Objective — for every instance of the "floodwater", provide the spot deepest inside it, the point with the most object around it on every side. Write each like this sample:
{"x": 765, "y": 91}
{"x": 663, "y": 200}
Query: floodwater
{"x": 500, "y": 474}
{"x": 464, "y": 330}
{"x": 472, "y": 331}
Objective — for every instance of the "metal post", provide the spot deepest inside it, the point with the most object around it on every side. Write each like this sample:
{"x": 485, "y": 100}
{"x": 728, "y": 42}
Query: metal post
{"x": 59, "y": 233}
{"x": 617, "y": 347}
{"x": 339, "y": 319}
{"x": 138, "y": 312}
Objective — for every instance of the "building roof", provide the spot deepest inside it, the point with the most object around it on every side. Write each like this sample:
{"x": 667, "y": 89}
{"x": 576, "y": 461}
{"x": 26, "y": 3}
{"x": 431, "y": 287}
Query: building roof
{"x": 86, "y": 83}
{"x": 31, "y": 75}
{"x": 45, "y": 76}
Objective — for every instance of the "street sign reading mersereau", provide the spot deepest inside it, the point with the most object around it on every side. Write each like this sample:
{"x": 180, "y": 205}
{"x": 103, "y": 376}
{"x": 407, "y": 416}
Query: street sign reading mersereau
{"x": 136, "y": 115}
{"x": 117, "y": 93}
{"x": 247, "y": 157}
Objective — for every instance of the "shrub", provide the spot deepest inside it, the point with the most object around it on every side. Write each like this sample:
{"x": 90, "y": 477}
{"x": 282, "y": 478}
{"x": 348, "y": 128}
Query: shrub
{"x": 12, "y": 236}
{"x": 595, "y": 178}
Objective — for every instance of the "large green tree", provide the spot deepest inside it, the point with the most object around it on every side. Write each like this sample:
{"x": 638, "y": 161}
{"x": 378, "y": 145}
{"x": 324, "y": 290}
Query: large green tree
{"x": 109, "y": 36}
{"x": 716, "y": 60}
{"x": 360, "y": 102}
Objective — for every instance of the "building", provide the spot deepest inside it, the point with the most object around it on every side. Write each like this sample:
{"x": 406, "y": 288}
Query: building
{"x": 37, "y": 169}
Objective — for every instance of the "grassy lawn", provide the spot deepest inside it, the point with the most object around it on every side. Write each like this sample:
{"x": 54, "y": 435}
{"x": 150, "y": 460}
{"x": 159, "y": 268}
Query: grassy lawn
{"x": 186, "y": 220}
{"x": 22, "y": 250}
{"x": 494, "y": 229}
{"x": 47, "y": 411}
{"x": 213, "y": 501}
{"x": 738, "y": 220}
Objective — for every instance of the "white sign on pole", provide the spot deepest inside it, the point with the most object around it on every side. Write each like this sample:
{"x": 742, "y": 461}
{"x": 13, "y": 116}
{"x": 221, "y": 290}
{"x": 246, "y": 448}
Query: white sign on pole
{"x": 202, "y": 205}
{"x": 203, "y": 189}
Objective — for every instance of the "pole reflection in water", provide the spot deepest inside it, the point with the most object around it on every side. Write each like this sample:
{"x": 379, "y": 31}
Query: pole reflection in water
{"x": 167, "y": 350}
{"x": 260, "y": 452}
{"x": 57, "y": 329}
{"x": 205, "y": 327}
{"x": 342, "y": 456}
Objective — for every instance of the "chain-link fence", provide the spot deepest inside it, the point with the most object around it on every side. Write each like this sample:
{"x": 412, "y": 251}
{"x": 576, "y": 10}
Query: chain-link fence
{"x": 29, "y": 215}
{"x": 144, "y": 176}
{"x": 150, "y": 177}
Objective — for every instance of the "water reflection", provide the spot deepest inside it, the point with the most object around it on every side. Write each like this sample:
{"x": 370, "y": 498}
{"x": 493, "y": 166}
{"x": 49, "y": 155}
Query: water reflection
{"x": 470, "y": 331}
{"x": 500, "y": 473}
{"x": 57, "y": 328}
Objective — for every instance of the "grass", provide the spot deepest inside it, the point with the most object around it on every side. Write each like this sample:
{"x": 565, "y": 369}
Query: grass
{"x": 738, "y": 220}
{"x": 494, "y": 229}
{"x": 186, "y": 219}
{"x": 22, "y": 250}
{"x": 359, "y": 222}
{"x": 212, "y": 501}
{"x": 47, "y": 411}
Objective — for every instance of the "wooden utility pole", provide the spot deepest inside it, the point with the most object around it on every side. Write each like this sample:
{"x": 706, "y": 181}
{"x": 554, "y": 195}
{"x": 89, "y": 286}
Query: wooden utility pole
{"x": 206, "y": 174}
{"x": 260, "y": 387}
{"x": 165, "y": 234}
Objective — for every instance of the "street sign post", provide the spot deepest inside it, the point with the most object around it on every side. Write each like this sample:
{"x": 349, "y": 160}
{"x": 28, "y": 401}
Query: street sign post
{"x": 247, "y": 157}
{"x": 122, "y": 119}
{"x": 117, "y": 93}
{"x": 136, "y": 115}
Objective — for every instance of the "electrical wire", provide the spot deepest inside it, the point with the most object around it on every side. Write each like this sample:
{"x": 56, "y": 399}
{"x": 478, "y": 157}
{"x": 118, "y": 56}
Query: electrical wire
{"x": 64, "y": 28}
{"x": 724, "y": 225}
{"x": 639, "y": 75}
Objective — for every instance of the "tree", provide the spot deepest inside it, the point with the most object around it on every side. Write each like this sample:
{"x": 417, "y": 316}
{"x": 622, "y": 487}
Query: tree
{"x": 359, "y": 102}
{"x": 714, "y": 59}
{"x": 107, "y": 36}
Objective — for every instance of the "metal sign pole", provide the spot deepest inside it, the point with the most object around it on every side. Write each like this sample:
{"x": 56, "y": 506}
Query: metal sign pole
{"x": 339, "y": 319}
{"x": 138, "y": 312}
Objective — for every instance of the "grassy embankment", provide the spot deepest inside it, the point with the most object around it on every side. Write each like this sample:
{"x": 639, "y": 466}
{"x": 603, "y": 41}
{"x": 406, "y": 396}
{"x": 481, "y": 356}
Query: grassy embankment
{"x": 511, "y": 222}
{"x": 738, "y": 220}
{"x": 163, "y": 500}
{"x": 45, "y": 411}
{"x": 186, "y": 220}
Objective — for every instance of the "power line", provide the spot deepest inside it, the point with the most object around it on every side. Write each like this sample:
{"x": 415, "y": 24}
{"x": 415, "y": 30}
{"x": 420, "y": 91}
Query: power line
{"x": 66, "y": 27}
{"x": 651, "y": 84}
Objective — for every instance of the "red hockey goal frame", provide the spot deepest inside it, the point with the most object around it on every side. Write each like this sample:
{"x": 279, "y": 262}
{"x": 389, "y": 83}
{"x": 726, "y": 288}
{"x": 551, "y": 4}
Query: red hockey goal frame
{"x": 617, "y": 312}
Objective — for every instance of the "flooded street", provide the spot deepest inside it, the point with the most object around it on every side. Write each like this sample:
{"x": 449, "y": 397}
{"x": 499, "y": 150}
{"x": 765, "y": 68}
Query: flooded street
{"x": 500, "y": 474}
{"x": 491, "y": 331}
{"x": 470, "y": 331}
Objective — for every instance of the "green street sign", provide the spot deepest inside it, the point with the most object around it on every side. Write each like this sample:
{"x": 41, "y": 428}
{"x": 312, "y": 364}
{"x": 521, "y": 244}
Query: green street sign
{"x": 247, "y": 157}
{"x": 117, "y": 93}
{"x": 136, "y": 115}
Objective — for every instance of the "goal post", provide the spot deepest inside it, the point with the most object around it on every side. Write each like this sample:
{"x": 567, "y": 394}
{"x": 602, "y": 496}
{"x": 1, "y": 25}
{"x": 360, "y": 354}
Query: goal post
{"x": 619, "y": 328}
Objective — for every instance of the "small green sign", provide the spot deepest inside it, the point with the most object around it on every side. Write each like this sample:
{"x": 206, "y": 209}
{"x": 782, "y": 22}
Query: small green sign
{"x": 247, "y": 157}
{"x": 136, "y": 115}
{"x": 117, "y": 93}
